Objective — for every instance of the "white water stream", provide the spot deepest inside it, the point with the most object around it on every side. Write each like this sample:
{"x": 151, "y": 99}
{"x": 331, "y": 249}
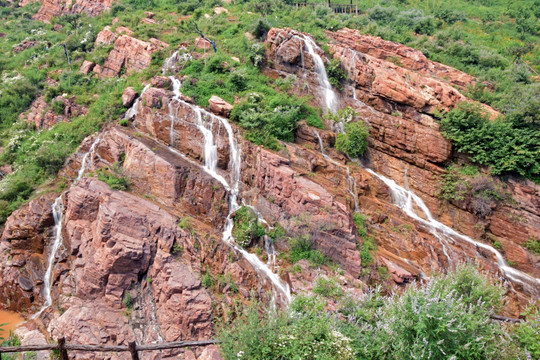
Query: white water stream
{"x": 205, "y": 124}
{"x": 134, "y": 109}
{"x": 404, "y": 200}
{"x": 351, "y": 181}
{"x": 329, "y": 95}
{"x": 57, "y": 211}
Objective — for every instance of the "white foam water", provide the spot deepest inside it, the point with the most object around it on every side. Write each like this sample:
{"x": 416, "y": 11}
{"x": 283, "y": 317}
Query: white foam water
{"x": 404, "y": 199}
{"x": 351, "y": 181}
{"x": 134, "y": 109}
{"x": 205, "y": 124}
{"x": 57, "y": 211}
{"x": 329, "y": 95}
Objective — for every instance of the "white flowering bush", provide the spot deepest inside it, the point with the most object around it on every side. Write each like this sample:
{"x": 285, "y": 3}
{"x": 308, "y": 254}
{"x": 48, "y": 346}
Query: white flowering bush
{"x": 303, "y": 332}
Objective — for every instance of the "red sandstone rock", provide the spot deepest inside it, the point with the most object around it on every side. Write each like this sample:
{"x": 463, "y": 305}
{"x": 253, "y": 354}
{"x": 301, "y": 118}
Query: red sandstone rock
{"x": 219, "y": 106}
{"x": 43, "y": 117}
{"x": 54, "y": 8}
{"x": 24, "y": 45}
{"x": 202, "y": 43}
{"x": 155, "y": 98}
{"x": 210, "y": 353}
{"x": 105, "y": 36}
{"x": 162, "y": 82}
{"x": 130, "y": 54}
{"x": 86, "y": 67}
{"x": 129, "y": 96}
{"x": 402, "y": 55}
{"x": 220, "y": 9}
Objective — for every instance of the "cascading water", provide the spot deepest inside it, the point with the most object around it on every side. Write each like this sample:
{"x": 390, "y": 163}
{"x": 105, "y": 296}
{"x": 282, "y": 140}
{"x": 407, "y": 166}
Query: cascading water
{"x": 404, "y": 200}
{"x": 351, "y": 182}
{"x": 134, "y": 109}
{"x": 205, "y": 123}
{"x": 57, "y": 211}
{"x": 329, "y": 95}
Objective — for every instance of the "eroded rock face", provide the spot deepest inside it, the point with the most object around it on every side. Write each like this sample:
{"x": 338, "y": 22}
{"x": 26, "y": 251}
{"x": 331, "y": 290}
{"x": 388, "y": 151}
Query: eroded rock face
{"x": 43, "y": 117}
{"x": 405, "y": 56}
{"x": 54, "y": 8}
{"x": 130, "y": 55}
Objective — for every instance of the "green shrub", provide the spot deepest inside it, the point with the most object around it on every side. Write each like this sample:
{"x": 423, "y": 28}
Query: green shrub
{"x": 114, "y": 177}
{"x": 526, "y": 333}
{"x": 301, "y": 247}
{"x": 533, "y": 246}
{"x": 360, "y": 223}
{"x": 58, "y": 107}
{"x": 354, "y": 141}
{"x": 474, "y": 191}
{"x": 328, "y": 288}
{"x": 336, "y": 74}
{"x": 441, "y": 320}
{"x": 502, "y": 145}
{"x": 246, "y": 227}
{"x": 303, "y": 332}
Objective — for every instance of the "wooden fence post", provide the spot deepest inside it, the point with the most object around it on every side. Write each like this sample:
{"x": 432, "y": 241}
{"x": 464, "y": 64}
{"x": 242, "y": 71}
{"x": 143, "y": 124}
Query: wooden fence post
{"x": 133, "y": 350}
{"x": 62, "y": 348}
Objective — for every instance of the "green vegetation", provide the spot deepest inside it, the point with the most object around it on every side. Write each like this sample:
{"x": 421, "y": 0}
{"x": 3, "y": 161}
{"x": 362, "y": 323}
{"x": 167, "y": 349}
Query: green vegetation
{"x": 533, "y": 246}
{"x": 360, "y": 222}
{"x": 336, "y": 74}
{"x": 506, "y": 145}
{"x": 493, "y": 39}
{"x": 114, "y": 177}
{"x": 267, "y": 118}
{"x": 246, "y": 227}
{"x": 354, "y": 141}
{"x": 473, "y": 190}
{"x": 301, "y": 248}
{"x": 301, "y": 332}
{"x": 448, "y": 318}
{"x": 13, "y": 340}
{"x": 328, "y": 288}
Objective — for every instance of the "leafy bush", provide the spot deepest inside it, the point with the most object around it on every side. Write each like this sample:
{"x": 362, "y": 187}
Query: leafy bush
{"x": 526, "y": 333}
{"x": 336, "y": 74}
{"x": 474, "y": 191}
{"x": 267, "y": 118}
{"x": 501, "y": 144}
{"x": 533, "y": 246}
{"x": 360, "y": 223}
{"x": 246, "y": 227}
{"x": 447, "y": 318}
{"x": 328, "y": 288}
{"x": 354, "y": 141}
{"x": 301, "y": 248}
{"x": 302, "y": 332}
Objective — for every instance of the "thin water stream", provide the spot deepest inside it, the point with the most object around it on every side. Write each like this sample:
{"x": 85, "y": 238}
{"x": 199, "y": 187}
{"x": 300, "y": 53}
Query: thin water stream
{"x": 205, "y": 124}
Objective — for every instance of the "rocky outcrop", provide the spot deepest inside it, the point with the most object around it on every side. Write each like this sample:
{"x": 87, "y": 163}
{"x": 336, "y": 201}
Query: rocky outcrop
{"x": 219, "y": 106}
{"x": 401, "y": 55}
{"x": 128, "y": 97}
{"x": 42, "y": 116}
{"x": 54, "y": 8}
{"x": 86, "y": 67}
{"x": 130, "y": 55}
{"x": 24, "y": 45}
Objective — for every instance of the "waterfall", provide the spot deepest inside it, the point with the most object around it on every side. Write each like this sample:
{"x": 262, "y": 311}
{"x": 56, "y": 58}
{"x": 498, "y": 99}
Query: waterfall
{"x": 133, "y": 110}
{"x": 351, "y": 182}
{"x": 176, "y": 56}
{"x": 57, "y": 211}
{"x": 205, "y": 123}
{"x": 404, "y": 200}
{"x": 329, "y": 95}
{"x": 87, "y": 157}
{"x": 170, "y": 62}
